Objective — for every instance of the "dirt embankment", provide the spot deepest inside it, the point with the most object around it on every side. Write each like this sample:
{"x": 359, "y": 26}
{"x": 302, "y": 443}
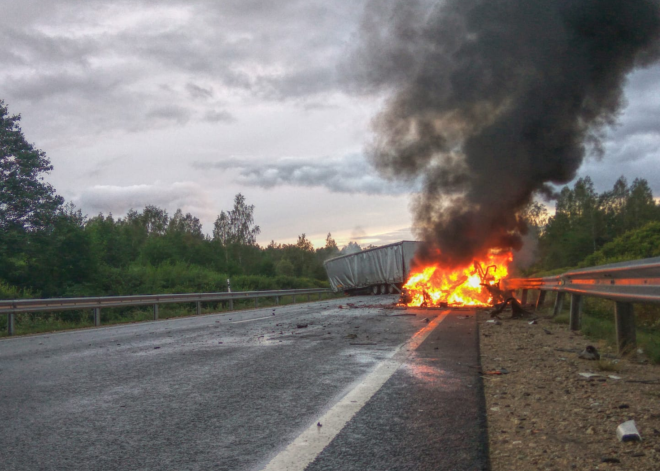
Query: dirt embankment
{"x": 542, "y": 414}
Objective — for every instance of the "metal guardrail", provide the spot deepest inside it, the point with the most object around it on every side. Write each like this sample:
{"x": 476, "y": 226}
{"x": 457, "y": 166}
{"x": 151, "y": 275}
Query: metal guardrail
{"x": 625, "y": 283}
{"x": 12, "y": 307}
{"x": 637, "y": 281}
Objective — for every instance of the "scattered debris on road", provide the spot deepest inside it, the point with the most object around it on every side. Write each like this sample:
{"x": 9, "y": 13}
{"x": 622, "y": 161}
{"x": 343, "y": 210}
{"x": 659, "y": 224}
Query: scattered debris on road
{"x": 589, "y": 353}
{"x": 591, "y": 375}
{"x": 501, "y": 371}
{"x": 627, "y": 432}
{"x": 517, "y": 311}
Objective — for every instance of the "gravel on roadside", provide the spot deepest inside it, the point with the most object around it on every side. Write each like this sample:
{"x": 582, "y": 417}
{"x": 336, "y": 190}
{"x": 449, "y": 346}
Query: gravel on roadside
{"x": 544, "y": 415}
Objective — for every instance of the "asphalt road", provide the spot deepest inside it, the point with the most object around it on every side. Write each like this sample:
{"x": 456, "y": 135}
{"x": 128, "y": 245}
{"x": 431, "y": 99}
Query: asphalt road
{"x": 242, "y": 391}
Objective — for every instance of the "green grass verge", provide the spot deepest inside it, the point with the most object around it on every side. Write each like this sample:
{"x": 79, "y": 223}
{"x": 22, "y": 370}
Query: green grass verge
{"x": 598, "y": 324}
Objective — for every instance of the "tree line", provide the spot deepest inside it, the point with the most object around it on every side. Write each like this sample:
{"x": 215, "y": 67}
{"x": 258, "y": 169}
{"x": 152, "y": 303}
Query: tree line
{"x": 49, "y": 248}
{"x": 587, "y": 224}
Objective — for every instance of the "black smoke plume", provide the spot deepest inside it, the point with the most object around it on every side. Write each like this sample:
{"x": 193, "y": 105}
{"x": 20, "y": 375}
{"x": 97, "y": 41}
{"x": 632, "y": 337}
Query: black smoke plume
{"x": 492, "y": 100}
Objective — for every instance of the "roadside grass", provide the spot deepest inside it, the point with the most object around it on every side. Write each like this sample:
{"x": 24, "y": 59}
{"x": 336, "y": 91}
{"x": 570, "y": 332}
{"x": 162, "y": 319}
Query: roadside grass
{"x": 598, "y": 323}
{"x": 42, "y": 322}
{"x": 8, "y": 291}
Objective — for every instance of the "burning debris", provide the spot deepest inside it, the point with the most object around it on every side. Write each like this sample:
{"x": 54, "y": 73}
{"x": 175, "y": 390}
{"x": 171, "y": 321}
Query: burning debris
{"x": 474, "y": 285}
{"x": 478, "y": 287}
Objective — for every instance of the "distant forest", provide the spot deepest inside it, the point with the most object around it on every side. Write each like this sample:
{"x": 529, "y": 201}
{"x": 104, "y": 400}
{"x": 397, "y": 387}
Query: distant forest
{"x": 50, "y": 249}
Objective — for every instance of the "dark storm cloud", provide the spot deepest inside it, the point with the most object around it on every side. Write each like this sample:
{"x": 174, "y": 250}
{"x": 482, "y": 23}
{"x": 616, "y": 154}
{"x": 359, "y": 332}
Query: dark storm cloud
{"x": 349, "y": 174}
{"x": 103, "y": 165}
{"x": 219, "y": 116}
{"x": 627, "y": 149}
{"x": 38, "y": 87}
{"x": 201, "y": 53}
{"x": 305, "y": 82}
{"x": 231, "y": 37}
{"x": 632, "y": 148}
{"x": 170, "y": 113}
{"x": 491, "y": 101}
{"x": 644, "y": 117}
{"x": 31, "y": 47}
{"x": 195, "y": 91}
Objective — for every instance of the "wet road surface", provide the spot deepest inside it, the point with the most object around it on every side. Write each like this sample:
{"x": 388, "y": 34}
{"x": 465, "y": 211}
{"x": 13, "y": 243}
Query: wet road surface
{"x": 244, "y": 391}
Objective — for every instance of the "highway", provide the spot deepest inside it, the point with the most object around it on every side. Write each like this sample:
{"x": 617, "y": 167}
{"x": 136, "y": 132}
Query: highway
{"x": 317, "y": 386}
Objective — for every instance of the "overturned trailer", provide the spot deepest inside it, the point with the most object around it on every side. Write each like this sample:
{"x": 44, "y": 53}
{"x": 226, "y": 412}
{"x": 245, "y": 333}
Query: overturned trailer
{"x": 379, "y": 271}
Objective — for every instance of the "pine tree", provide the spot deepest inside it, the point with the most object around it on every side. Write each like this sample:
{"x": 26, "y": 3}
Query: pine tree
{"x": 26, "y": 200}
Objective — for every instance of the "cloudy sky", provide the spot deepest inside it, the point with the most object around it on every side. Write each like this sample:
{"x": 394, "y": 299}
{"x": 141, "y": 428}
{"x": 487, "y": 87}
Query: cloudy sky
{"x": 184, "y": 104}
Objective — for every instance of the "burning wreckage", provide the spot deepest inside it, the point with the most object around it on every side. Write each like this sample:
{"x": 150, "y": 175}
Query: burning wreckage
{"x": 481, "y": 93}
{"x": 477, "y": 285}
{"x": 394, "y": 268}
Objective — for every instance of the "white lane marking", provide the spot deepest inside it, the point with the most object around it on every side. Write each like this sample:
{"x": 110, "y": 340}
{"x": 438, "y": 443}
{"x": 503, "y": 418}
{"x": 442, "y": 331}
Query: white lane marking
{"x": 250, "y": 320}
{"x": 304, "y": 449}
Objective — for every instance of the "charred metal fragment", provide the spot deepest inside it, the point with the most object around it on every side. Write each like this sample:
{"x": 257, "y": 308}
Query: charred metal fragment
{"x": 517, "y": 310}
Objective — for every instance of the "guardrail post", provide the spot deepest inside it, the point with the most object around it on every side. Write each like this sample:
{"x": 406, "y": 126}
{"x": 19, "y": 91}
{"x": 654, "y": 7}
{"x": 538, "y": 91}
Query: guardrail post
{"x": 231, "y": 301}
{"x": 97, "y": 316}
{"x": 294, "y": 299}
{"x": 540, "y": 300}
{"x": 10, "y": 323}
{"x": 523, "y": 297}
{"x": 320, "y": 296}
{"x": 576, "y": 311}
{"x": 559, "y": 303}
{"x": 256, "y": 302}
{"x": 277, "y": 300}
{"x": 155, "y": 312}
{"x": 626, "y": 336}
{"x": 198, "y": 308}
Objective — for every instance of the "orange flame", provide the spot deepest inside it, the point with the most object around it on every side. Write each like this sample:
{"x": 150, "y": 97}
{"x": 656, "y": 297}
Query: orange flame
{"x": 466, "y": 286}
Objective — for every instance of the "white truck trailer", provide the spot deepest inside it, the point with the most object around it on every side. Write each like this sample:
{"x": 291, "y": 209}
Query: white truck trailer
{"x": 380, "y": 270}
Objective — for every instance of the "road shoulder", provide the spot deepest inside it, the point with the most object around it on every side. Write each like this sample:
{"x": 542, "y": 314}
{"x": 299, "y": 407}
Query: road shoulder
{"x": 543, "y": 414}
